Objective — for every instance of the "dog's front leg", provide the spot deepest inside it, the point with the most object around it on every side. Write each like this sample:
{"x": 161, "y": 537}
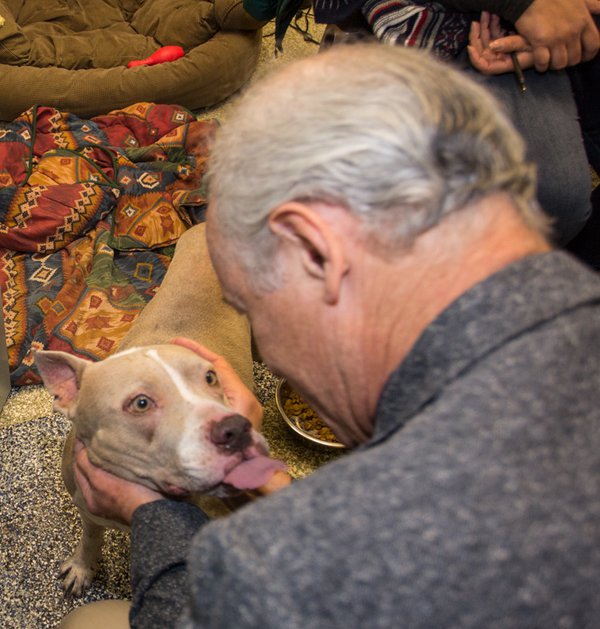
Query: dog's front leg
{"x": 78, "y": 570}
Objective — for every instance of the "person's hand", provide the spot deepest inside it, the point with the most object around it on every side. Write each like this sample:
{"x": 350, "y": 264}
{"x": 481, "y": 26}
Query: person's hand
{"x": 105, "y": 494}
{"x": 280, "y": 480}
{"x": 239, "y": 397}
{"x": 593, "y": 6}
{"x": 486, "y": 34}
{"x": 561, "y": 32}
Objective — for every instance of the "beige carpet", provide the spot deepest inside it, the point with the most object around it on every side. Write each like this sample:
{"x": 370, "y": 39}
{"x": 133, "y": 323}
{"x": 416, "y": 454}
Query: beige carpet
{"x": 38, "y": 524}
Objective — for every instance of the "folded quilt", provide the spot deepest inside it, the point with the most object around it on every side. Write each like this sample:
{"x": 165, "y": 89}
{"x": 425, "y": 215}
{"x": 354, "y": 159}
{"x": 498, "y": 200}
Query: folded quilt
{"x": 90, "y": 211}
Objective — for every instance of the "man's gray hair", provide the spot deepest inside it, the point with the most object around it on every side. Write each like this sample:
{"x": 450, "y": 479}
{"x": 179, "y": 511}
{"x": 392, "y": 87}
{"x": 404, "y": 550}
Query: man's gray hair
{"x": 393, "y": 135}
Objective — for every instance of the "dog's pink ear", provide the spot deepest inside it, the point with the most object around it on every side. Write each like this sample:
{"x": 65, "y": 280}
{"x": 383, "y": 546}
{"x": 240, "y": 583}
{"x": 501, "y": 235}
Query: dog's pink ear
{"x": 61, "y": 373}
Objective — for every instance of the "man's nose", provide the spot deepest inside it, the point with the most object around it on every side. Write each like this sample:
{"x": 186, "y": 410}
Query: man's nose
{"x": 232, "y": 433}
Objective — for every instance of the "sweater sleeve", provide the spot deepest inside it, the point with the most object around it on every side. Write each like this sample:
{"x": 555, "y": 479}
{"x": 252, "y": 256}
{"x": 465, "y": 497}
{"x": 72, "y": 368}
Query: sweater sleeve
{"x": 161, "y": 533}
{"x": 510, "y": 10}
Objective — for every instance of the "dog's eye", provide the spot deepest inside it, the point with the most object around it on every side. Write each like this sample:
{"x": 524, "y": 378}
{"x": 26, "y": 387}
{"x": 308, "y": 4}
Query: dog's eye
{"x": 140, "y": 404}
{"x": 211, "y": 378}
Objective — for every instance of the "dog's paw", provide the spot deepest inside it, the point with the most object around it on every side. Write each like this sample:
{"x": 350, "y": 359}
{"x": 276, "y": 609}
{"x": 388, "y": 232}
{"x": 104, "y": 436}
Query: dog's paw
{"x": 76, "y": 576}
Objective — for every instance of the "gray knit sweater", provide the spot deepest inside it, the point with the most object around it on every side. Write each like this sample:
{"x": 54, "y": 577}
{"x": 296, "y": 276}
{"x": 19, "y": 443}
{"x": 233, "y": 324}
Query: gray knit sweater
{"x": 476, "y": 504}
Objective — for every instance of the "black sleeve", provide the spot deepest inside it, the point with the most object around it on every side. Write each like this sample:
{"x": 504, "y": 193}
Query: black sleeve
{"x": 510, "y": 10}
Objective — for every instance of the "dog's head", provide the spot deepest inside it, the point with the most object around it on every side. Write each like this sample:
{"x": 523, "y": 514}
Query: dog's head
{"x": 157, "y": 415}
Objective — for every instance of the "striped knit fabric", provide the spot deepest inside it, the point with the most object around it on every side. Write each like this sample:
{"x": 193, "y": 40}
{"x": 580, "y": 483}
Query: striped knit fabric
{"x": 427, "y": 25}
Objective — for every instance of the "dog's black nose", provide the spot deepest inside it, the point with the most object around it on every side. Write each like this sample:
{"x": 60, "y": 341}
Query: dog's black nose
{"x": 232, "y": 433}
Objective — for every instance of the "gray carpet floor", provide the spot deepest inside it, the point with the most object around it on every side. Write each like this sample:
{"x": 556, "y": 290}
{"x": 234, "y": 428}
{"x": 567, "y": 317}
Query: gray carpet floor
{"x": 39, "y": 526}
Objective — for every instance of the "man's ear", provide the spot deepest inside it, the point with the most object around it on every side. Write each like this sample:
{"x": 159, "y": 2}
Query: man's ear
{"x": 61, "y": 373}
{"x": 321, "y": 250}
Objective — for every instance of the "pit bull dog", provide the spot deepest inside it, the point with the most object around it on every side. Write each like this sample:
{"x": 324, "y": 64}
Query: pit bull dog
{"x": 155, "y": 412}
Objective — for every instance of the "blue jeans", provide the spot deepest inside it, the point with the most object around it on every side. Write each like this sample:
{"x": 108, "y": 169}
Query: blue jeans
{"x": 546, "y": 116}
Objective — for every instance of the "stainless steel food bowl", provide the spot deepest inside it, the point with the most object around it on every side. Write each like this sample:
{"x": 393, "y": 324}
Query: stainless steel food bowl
{"x": 282, "y": 392}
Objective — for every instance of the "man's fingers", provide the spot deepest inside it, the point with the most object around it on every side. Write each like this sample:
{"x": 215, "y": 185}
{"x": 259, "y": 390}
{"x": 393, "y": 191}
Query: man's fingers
{"x": 525, "y": 60}
{"x": 484, "y": 30}
{"x": 279, "y": 480}
{"x": 559, "y": 58}
{"x": 105, "y": 494}
{"x": 475, "y": 33}
{"x": 197, "y": 348}
{"x": 496, "y": 29}
{"x": 574, "y": 55}
{"x": 80, "y": 466}
{"x": 225, "y": 370}
{"x": 561, "y": 32}
{"x": 541, "y": 59}
{"x": 510, "y": 43}
{"x": 222, "y": 366}
{"x": 590, "y": 43}
{"x": 238, "y": 395}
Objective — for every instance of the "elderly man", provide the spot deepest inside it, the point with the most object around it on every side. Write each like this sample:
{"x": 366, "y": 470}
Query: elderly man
{"x": 372, "y": 214}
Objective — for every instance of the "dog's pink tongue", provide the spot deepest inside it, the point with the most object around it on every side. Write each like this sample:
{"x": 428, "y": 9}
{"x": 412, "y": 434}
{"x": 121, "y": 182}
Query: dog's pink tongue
{"x": 254, "y": 472}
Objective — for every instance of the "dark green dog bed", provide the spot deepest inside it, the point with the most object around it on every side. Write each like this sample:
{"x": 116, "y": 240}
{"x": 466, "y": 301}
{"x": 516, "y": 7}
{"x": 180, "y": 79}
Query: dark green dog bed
{"x": 73, "y": 54}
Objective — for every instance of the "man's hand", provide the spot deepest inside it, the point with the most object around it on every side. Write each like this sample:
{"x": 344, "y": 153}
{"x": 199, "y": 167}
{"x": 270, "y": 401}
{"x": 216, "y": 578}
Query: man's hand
{"x": 561, "y": 32}
{"x": 105, "y": 494}
{"x": 240, "y": 398}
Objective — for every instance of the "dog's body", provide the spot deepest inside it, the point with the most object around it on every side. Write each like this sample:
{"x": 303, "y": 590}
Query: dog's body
{"x": 189, "y": 303}
{"x": 155, "y": 412}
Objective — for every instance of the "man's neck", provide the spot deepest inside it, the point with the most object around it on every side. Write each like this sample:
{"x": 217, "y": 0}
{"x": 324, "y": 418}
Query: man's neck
{"x": 406, "y": 293}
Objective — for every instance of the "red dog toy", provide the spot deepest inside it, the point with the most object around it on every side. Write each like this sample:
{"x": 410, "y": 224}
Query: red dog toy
{"x": 166, "y": 53}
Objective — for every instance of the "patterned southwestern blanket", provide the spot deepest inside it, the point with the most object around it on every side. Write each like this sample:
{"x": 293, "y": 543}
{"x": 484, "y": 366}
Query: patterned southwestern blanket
{"x": 90, "y": 211}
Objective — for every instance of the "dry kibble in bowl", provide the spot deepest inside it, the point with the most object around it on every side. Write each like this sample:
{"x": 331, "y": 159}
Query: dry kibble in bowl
{"x": 306, "y": 418}
{"x": 302, "y": 418}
